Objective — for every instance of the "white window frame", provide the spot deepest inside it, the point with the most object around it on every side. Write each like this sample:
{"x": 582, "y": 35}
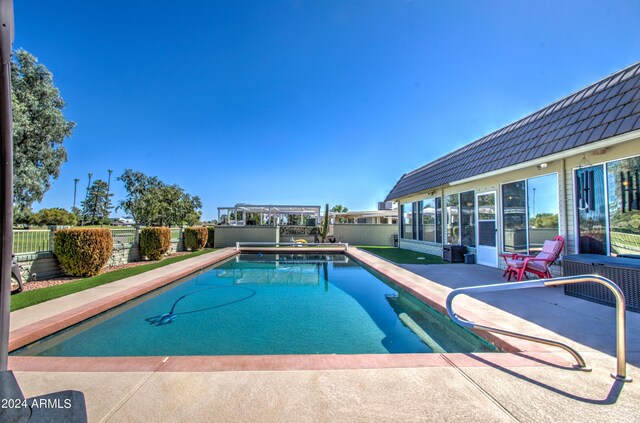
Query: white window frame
{"x": 526, "y": 206}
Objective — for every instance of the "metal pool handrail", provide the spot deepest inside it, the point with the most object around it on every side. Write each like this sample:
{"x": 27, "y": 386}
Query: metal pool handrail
{"x": 621, "y": 349}
{"x": 291, "y": 244}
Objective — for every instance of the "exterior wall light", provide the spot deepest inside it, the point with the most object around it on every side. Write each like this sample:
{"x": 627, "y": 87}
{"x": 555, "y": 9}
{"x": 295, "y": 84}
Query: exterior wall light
{"x": 542, "y": 166}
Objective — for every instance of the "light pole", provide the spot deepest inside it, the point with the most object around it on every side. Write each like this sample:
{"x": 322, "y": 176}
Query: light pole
{"x": 109, "y": 180}
{"x": 86, "y": 195}
{"x": 108, "y": 190}
{"x": 75, "y": 190}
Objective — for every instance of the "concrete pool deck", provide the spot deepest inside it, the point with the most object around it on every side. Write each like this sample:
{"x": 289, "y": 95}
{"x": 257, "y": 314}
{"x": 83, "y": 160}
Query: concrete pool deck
{"x": 447, "y": 387}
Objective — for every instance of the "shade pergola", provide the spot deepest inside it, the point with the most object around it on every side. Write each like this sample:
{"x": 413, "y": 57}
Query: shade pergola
{"x": 270, "y": 214}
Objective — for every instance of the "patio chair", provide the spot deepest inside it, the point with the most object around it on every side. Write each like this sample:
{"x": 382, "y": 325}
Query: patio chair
{"x": 518, "y": 265}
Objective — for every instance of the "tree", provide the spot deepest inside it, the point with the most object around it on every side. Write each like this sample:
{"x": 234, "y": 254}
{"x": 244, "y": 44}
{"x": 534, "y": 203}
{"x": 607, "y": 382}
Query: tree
{"x": 175, "y": 206}
{"x": 54, "y": 216}
{"x": 189, "y": 210}
{"x": 97, "y": 206}
{"x": 339, "y": 208}
{"x": 544, "y": 220}
{"x": 151, "y": 202}
{"x": 139, "y": 202}
{"x": 23, "y": 217}
{"x": 77, "y": 213}
{"x": 39, "y": 129}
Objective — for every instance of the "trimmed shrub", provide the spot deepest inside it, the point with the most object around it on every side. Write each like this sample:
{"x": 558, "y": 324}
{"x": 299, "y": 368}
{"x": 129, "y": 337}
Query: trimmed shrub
{"x": 155, "y": 242}
{"x": 81, "y": 251}
{"x": 210, "y": 233}
{"x": 195, "y": 237}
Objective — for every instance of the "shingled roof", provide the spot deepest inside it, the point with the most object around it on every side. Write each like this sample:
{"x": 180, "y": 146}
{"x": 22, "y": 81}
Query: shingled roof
{"x": 602, "y": 110}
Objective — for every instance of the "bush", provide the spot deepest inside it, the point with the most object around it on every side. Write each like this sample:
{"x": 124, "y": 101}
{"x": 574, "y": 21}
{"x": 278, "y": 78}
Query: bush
{"x": 155, "y": 242}
{"x": 210, "y": 233}
{"x": 195, "y": 237}
{"x": 82, "y": 252}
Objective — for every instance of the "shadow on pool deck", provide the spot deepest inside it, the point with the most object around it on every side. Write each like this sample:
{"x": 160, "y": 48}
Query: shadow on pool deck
{"x": 583, "y": 322}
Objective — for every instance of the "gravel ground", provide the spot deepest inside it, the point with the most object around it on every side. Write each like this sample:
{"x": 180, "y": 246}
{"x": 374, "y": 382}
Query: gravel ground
{"x": 30, "y": 286}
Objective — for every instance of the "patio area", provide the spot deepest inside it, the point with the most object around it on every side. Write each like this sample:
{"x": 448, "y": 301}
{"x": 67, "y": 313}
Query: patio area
{"x": 544, "y": 312}
{"x": 534, "y": 386}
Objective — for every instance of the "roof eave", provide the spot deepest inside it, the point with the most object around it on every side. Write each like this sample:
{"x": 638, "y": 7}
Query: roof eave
{"x": 545, "y": 159}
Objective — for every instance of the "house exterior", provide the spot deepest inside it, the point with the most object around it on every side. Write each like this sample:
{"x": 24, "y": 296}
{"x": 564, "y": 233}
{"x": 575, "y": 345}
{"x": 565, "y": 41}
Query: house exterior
{"x": 570, "y": 169}
{"x": 387, "y": 213}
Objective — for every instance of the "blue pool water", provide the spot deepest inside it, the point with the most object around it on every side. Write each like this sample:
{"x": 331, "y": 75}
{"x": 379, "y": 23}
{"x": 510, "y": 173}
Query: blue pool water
{"x": 267, "y": 304}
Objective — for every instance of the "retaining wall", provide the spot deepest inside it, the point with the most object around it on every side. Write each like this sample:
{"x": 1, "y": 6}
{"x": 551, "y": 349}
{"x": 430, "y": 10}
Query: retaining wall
{"x": 227, "y": 236}
{"x": 364, "y": 233}
{"x": 39, "y": 266}
{"x": 44, "y": 265}
{"x": 422, "y": 246}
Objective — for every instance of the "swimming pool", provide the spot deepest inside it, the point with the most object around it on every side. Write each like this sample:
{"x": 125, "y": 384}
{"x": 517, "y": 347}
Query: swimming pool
{"x": 269, "y": 304}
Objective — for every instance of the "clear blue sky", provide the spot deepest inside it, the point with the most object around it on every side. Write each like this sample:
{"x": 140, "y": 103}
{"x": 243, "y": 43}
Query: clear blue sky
{"x": 306, "y": 102}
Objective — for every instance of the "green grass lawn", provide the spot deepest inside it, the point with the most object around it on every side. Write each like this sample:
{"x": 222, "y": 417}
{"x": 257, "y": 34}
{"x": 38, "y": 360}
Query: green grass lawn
{"x": 402, "y": 256}
{"x": 29, "y": 298}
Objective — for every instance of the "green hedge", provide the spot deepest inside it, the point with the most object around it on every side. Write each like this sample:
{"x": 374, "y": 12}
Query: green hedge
{"x": 195, "y": 237}
{"x": 155, "y": 242}
{"x": 81, "y": 251}
{"x": 211, "y": 232}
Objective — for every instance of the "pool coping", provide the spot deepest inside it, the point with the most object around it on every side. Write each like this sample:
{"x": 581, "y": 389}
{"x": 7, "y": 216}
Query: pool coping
{"x": 415, "y": 285}
{"x": 519, "y": 352}
{"x": 306, "y": 362}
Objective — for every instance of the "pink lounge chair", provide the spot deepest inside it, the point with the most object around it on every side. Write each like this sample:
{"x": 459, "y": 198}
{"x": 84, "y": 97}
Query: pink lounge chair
{"x": 518, "y": 265}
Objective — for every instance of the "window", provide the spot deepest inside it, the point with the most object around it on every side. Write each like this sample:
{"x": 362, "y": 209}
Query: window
{"x": 467, "y": 219}
{"x": 453, "y": 220}
{"x": 542, "y": 210}
{"x": 407, "y": 221}
{"x": 623, "y": 186}
{"x": 514, "y": 217}
{"x": 591, "y": 206}
{"x": 417, "y": 218}
{"x": 529, "y": 213}
{"x": 429, "y": 220}
{"x": 460, "y": 218}
{"x": 439, "y": 220}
